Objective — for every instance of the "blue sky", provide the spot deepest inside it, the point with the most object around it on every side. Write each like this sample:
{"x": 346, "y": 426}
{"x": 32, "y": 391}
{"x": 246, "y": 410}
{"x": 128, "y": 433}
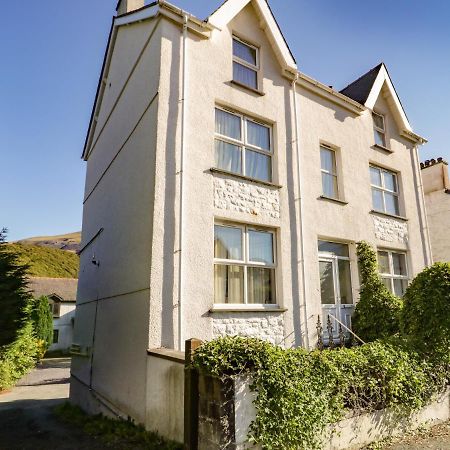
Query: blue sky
{"x": 52, "y": 52}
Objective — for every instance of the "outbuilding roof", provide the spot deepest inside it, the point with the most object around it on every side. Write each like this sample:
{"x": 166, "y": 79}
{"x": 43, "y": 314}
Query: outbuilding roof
{"x": 64, "y": 288}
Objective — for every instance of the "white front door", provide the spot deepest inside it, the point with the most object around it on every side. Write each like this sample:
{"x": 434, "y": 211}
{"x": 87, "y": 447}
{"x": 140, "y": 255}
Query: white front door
{"x": 335, "y": 288}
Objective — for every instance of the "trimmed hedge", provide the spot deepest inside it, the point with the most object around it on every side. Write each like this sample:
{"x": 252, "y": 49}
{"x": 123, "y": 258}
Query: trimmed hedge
{"x": 299, "y": 393}
{"x": 426, "y": 312}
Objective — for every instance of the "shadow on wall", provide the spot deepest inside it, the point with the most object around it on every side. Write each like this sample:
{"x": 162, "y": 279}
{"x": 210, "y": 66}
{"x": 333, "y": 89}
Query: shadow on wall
{"x": 170, "y": 255}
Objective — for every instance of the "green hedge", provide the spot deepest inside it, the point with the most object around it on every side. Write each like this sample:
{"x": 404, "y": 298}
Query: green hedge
{"x": 426, "y": 312}
{"x": 19, "y": 357}
{"x": 299, "y": 393}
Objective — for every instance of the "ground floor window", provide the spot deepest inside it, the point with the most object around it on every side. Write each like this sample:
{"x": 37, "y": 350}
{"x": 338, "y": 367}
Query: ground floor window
{"x": 393, "y": 270}
{"x": 244, "y": 264}
{"x": 55, "y": 336}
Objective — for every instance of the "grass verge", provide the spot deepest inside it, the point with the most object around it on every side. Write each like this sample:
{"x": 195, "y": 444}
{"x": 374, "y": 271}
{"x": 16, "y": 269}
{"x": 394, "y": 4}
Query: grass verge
{"x": 114, "y": 433}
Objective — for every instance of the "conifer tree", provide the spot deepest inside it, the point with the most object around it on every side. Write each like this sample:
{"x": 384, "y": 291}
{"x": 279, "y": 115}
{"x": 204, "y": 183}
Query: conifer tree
{"x": 42, "y": 319}
{"x": 14, "y": 295}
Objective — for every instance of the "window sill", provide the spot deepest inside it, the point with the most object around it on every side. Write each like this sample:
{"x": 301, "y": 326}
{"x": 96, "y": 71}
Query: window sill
{"x": 247, "y": 308}
{"x": 334, "y": 200}
{"x": 382, "y": 147}
{"x": 249, "y": 88}
{"x": 244, "y": 177}
{"x": 392, "y": 216}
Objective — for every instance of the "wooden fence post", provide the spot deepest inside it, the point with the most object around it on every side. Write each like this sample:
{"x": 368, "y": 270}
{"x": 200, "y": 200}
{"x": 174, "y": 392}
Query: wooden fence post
{"x": 190, "y": 397}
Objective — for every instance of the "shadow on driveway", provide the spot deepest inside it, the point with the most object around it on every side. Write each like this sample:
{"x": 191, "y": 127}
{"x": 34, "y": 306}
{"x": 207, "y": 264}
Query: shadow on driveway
{"x": 27, "y": 416}
{"x": 32, "y": 425}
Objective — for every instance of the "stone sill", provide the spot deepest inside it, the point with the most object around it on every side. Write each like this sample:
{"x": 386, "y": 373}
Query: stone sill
{"x": 244, "y": 86}
{"x": 246, "y": 309}
{"x": 381, "y": 147}
{"x": 245, "y": 178}
{"x": 331, "y": 199}
{"x": 167, "y": 353}
{"x": 391, "y": 216}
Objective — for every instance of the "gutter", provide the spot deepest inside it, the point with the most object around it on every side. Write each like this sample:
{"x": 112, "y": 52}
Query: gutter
{"x": 329, "y": 93}
{"x": 302, "y": 301}
{"x": 182, "y": 182}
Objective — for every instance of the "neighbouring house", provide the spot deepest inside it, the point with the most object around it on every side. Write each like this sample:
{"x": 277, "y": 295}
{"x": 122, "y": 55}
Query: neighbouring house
{"x": 62, "y": 295}
{"x": 436, "y": 187}
{"x": 225, "y": 194}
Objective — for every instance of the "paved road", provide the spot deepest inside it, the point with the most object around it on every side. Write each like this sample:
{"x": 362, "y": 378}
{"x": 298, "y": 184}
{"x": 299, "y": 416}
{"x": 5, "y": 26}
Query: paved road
{"x": 27, "y": 421}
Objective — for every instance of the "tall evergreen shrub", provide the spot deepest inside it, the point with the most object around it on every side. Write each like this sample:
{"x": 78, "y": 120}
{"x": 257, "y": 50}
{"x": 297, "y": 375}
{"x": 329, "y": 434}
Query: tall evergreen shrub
{"x": 14, "y": 295}
{"x": 42, "y": 319}
{"x": 377, "y": 314}
{"x": 426, "y": 312}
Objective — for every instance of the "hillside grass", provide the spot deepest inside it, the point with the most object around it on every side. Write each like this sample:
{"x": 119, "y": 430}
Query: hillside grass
{"x": 47, "y": 262}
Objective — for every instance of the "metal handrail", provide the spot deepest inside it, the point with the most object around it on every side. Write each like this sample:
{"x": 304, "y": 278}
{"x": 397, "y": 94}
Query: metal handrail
{"x": 348, "y": 329}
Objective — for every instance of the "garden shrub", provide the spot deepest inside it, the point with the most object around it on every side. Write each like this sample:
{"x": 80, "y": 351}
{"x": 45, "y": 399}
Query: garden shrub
{"x": 299, "y": 393}
{"x": 42, "y": 318}
{"x": 426, "y": 312}
{"x": 19, "y": 357}
{"x": 14, "y": 294}
{"x": 377, "y": 314}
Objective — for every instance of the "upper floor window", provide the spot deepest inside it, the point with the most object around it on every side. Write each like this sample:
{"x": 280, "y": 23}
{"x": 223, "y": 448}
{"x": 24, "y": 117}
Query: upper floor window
{"x": 393, "y": 271}
{"x": 244, "y": 265}
{"x": 245, "y": 63}
{"x": 243, "y": 146}
{"x": 385, "y": 190}
{"x": 55, "y": 306}
{"x": 379, "y": 129}
{"x": 329, "y": 172}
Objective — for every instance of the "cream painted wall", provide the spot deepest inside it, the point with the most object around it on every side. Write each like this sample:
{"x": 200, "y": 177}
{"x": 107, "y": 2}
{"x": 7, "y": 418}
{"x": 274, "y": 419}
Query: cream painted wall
{"x": 437, "y": 198}
{"x": 352, "y": 136}
{"x": 111, "y": 325}
{"x": 209, "y": 76}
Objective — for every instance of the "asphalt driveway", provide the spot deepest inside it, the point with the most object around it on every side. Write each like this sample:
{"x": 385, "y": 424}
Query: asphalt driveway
{"x": 27, "y": 419}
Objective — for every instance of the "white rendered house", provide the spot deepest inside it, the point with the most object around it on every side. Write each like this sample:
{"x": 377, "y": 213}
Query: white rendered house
{"x": 62, "y": 295}
{"x": 226, "y": 191}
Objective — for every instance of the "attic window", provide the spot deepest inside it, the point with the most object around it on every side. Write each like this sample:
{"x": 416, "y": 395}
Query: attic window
{"x": 245, "y": 63}
{"x": 379, "y": 129}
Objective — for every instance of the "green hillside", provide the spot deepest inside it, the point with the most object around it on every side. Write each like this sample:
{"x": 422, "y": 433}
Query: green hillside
{"x": 47, "y": 262}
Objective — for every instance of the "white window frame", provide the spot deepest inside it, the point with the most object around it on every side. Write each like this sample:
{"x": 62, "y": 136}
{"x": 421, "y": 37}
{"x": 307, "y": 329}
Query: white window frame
{"x": 243, "y": 144}
{"x": 383, "y": 189}
{"x": 380, "y": 130}
{"x": 335, "y": 174}
{"x": 255, "y": 68}
{"x": 246, "y": 263}
{"x": 392, "y": 276}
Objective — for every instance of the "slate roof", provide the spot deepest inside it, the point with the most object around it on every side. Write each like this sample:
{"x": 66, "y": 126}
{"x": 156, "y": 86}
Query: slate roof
{"x": 360, "y": 89}
{"x": 65, "y": 288}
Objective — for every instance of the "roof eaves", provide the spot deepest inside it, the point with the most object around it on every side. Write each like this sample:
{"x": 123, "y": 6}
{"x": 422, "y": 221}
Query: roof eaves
{"x": 97, "y": 94}
{"x": 326, "y": 91}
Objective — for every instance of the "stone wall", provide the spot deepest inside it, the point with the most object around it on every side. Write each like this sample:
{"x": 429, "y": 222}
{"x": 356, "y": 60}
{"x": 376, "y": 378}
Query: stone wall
{"x": 264, "y": 325}
{"x": 246, "y": 197}
{"x": 390, "y": 230}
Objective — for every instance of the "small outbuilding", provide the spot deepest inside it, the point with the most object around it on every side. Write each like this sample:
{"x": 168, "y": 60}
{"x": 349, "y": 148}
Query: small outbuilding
{"x": 62, "y": 294}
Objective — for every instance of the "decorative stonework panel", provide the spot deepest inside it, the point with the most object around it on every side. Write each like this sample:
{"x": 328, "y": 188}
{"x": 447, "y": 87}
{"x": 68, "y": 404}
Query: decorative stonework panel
{"x": 267, "y": 326}
{"x": 390, "y": 230}
{"x": 241, "y": 196}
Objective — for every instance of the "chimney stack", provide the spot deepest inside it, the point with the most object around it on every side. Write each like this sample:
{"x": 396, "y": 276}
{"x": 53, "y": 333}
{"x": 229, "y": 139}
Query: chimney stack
{"x": 126, "y": 6}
